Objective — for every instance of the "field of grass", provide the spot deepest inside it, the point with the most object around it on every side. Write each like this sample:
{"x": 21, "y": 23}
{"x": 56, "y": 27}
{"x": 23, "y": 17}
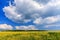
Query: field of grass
{"x": 29, "y": 35}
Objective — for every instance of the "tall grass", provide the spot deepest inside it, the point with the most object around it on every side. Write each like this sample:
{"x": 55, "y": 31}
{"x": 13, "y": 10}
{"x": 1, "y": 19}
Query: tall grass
{"x": 29, "y": 35}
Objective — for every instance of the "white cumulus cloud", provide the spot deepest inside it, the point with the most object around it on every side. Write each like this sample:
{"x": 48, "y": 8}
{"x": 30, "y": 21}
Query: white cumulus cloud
{"x": 47, "y": 20}
{"x": 52, "y": 26}
{"x": 52, "y": 19}
{"x": 38, "y": 21}
{"x": 29, "y": 27}
{"x": 5, "y": 27}
{"x": 24, "y": 11}
{"x": 27, "y": 10}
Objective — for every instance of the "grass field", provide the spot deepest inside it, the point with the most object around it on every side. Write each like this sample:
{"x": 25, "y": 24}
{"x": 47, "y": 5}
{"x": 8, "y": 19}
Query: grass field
{"x": 29, "y": 35}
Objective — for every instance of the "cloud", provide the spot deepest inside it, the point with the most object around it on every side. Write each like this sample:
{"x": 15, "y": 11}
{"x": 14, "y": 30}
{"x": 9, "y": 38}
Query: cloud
{"x": 38, "y": 21}
{"x": 43, "y": 1}
{"x": 47, "y": 20}
{"x": 9, "y": 27}
{"x": 52, "y": 19}
{"x": 23, "y": 10}
{"x": 53, "y": 26}
{"x": 40, "y": 12}
{"x": 5, "y": 27}
{"x": 27, "y": 10}
{"x": 29, "y": 27}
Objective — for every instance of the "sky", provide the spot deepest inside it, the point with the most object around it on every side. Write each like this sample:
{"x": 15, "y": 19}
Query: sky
{"x": 29, "y": 14}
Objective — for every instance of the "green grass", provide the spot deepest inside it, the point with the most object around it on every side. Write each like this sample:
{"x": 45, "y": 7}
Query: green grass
{"x": 29, "y": 35}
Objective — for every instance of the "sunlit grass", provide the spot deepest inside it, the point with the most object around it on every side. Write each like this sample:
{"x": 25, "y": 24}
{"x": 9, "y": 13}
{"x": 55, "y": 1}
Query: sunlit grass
{"x": 29, "y": 35}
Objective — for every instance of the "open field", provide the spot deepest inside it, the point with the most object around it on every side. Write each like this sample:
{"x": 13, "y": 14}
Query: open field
{"x": 29, "y": 35}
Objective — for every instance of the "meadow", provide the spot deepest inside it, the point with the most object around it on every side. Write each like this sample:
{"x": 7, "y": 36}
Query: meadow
{"x": 29, "y": 35}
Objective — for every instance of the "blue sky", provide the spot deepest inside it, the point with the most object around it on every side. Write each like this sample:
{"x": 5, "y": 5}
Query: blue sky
{"x": 30, "y": 14}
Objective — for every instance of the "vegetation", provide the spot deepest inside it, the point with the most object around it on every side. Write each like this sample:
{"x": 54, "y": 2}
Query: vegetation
{"x": 29, "y": 35}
